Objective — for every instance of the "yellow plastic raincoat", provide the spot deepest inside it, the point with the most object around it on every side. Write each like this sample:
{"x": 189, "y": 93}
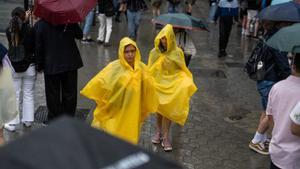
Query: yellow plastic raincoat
{"x": 173, "y": 81}
{"x": 124, "y": 96}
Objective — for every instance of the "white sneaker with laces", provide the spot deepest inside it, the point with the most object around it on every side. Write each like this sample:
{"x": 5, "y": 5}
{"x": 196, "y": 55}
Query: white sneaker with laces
{"x": 10, "y": 127}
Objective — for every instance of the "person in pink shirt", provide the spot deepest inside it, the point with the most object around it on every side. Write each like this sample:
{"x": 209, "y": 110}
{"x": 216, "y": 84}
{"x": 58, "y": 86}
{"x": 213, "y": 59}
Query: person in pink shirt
{"x": 283, "y": 97}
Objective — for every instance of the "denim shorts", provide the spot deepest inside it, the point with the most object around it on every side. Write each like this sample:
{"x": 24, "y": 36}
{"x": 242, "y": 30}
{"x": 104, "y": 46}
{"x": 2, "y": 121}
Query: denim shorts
{"x": 263, "y": 88}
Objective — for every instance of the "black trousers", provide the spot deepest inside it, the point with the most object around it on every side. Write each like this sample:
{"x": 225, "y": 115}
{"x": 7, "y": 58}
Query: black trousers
{"x": 225, "y": 25}
{"x": 61, "y": 94}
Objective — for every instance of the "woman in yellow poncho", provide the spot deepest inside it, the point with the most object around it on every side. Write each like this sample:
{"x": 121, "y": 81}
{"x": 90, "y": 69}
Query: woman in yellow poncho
{"x": 120, "y": 93}
{"x": 174, "y": 84}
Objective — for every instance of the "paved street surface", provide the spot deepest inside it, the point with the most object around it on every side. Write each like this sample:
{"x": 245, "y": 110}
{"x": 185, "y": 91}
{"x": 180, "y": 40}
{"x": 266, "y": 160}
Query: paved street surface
{"x": 210, "y": 139}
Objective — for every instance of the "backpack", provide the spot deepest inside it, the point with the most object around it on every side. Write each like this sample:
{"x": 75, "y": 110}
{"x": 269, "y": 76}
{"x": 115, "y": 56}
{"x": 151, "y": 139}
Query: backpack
{"x": 255, "y": 66}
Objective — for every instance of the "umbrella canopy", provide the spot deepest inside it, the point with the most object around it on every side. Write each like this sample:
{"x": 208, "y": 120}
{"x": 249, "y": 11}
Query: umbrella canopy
{"x": 72, "y": 144}
{"x": 181, "y": 20}
{"x": 275, "y": 2}
{"x": 59, "y": 12}
{"x": 286, "y": 39}
{"x": 289, "y": 11}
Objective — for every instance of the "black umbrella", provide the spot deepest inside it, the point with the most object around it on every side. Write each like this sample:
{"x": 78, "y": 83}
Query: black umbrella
{"x": 71, "y": 144}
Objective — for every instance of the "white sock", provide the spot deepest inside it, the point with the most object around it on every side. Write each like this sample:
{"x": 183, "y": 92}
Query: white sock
{"x": 258, "y": 138}
{"x": 265, "y": 138}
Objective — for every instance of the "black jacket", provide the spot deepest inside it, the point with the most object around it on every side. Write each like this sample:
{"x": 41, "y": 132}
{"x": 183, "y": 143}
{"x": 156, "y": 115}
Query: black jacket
{"x": 136, "y": 5}
{"x": 280, "y": 69}
{"x": 56, "y": 50}
{"x": 106, "y": 7}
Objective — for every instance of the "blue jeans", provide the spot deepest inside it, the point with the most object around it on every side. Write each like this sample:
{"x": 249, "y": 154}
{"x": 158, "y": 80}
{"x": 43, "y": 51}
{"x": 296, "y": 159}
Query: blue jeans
{"x": 88, "y": 22}
{"x": 173, "y": 8}
{"x": 133, "y": 23}
{"x": 263, "y": 88}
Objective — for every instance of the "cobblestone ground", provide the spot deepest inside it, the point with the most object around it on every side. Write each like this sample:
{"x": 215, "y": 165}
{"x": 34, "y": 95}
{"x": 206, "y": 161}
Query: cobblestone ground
{"x": 209, "y": 140}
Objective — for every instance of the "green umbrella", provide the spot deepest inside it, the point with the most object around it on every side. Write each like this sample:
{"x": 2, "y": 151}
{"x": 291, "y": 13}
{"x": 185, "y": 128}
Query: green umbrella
{"x": 286, "y": 39}
{"x": 181, "y": 20}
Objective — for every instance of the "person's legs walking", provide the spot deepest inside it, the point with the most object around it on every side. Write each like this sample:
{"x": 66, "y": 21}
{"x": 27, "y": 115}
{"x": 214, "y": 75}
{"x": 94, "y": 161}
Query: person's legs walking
{"x": 228, "y": 27}
{"x": 131, "y": 24}
{"x": 258, "y": 142}
{"x": 166, "y": 123}
{"x": 53, "y": 92}
{"x": 69, "y": 92}
{"x": 87, "y": 26}
{"x": 101, "y": 29}
{"x": 28, "y": 96}
{"x": 108, "y": 29}
{"x": 137, "y": 23}
{"x": 158, "y": 133}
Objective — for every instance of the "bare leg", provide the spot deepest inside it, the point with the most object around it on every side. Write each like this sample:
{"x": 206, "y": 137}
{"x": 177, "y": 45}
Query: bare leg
{"x": 156, "y": 138}
{"x": 166, "y": 123}
{"x": 1, "y": 137}
{"x": 263, "y": 124}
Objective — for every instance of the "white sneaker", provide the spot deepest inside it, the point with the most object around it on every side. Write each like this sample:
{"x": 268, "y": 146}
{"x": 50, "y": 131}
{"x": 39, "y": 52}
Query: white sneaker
{"x": 10, "y": 127}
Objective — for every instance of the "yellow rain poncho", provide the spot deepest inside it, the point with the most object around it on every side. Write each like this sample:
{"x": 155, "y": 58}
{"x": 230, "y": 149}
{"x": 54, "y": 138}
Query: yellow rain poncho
{"x": 173, "y": 81}
{"x": 124, "y": 96}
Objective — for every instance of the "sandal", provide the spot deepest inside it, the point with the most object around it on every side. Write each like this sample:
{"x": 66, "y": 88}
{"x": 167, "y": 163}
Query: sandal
{"x": 156, "y": 139}
{"x": 166, "y": 145}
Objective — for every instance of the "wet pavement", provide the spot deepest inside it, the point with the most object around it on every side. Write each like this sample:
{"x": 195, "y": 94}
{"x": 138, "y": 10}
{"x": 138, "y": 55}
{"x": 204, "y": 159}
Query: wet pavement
{"x": 224, "y": 111}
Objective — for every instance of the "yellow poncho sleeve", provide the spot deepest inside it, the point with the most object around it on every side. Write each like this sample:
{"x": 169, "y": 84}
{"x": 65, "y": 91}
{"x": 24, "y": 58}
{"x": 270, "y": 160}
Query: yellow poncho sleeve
{"x": 173, "y": 81}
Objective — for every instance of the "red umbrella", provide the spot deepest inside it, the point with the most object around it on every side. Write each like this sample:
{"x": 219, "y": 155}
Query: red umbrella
{"x": 59, "y": 12}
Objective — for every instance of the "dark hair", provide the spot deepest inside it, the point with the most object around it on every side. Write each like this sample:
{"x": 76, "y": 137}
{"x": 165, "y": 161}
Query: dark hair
{"x": 3, "y": 52}
{"x": 18, "y": 11}
{"x": 15, "y": 24}
{"x": 297, "y": 62}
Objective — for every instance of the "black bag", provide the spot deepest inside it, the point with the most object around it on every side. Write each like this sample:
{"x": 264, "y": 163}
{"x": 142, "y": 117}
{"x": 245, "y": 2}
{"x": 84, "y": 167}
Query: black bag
{"x": 255, "y": 66}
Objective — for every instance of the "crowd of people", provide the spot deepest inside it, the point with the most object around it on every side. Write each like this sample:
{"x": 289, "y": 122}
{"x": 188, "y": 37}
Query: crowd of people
{"x": 126, "y": 91}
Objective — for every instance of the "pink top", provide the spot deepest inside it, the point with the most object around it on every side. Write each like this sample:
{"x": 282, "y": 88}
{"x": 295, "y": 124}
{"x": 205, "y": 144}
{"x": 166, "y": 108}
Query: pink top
{"x": 284, "y": 147}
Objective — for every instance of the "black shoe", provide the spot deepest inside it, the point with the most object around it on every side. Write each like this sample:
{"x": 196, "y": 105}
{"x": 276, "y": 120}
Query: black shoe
{"x": 45, "y": 123}
{"x": 222, "y": 54}
{"x": 117, "y": 20}
{"x": 84, "y": 41}
{"x": 100, "y": 42}
{"x": 90, "y": 40}
{"x": 106, "y": 44}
